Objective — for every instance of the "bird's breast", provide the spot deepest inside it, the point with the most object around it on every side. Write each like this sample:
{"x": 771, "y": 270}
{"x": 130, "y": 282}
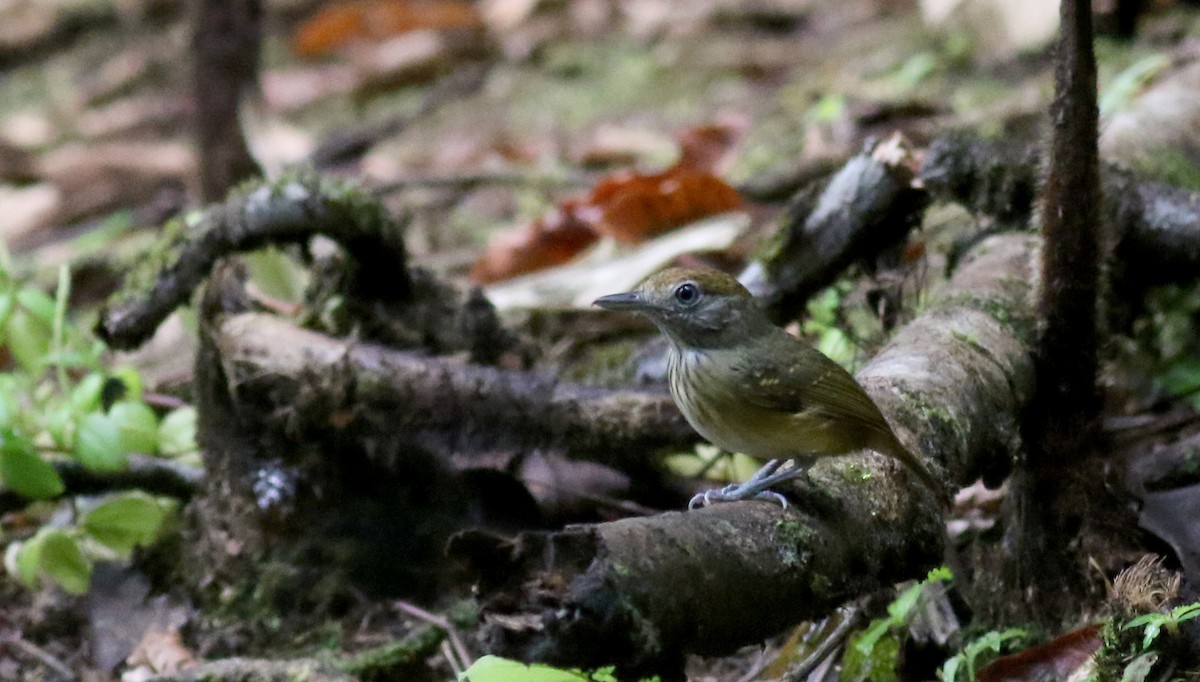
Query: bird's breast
{"x": 714, "y": 402}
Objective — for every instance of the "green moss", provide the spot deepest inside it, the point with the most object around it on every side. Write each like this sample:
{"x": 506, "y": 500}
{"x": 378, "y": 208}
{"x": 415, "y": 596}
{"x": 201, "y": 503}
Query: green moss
{"x": 793, "y": 537}
{"x": 821, "y": 587}
{"x": 607, "y": 364}
{"x": 971, "y": 340}
{"x": 1020, "y": 323}
{"x": 938, "y": 421}
{"x": 388, "y": 661}
{"x": 854, "y": 473}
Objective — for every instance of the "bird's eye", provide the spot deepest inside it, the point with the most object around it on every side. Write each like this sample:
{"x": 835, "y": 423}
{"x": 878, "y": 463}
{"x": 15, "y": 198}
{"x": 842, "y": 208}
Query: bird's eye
{"x": 687, "y": 293}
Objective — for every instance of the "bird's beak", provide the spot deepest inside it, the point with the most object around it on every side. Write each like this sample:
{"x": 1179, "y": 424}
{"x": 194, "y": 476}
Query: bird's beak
{"x": 630, "y": 300}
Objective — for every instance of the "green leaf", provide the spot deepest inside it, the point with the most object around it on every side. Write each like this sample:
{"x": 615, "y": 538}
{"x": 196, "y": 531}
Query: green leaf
{"x": 1185, "y": 612}
{"x": 950, "y": 669}
{"x": 23, "y": 470}
{"x": 940, "y": 574}
{"x": 21, "y": 559}
{"x": 1127, "y": 84}
{"x": 8, "y": 303}
{"x": 1139, "y": 668}
{"x": 276, "y": 274}
{"x": 1142, "y": 620}
{"x": 870, "y": 637}
{"x": 12, "y": 393}
{"x": 904, "y": 603}
{"x": 98, "y": 443}
{"x": 63, "y": 562}
{"x": 138, "y": 426}
{"x": 1151, "y": 633}
{"x": 177, "y": 432}
{"x": 873, "y": 656}
{"x": 38, "y": 303}
{"x": 28, "y": 339}
{"x": 124, "y": 522}
{"x": 132, "y": 380}
{"x": 60, "y": 424}
{"x": 496, "y": 669}
{"x": 85, "y": 397}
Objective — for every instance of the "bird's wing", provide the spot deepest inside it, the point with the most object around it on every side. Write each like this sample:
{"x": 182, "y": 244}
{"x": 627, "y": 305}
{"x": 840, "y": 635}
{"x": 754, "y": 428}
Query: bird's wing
{"x": 804, "y": 381}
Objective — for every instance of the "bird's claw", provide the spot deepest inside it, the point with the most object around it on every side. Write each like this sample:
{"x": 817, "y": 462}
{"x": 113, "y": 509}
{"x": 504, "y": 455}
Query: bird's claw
{"x": 756, "y": 488}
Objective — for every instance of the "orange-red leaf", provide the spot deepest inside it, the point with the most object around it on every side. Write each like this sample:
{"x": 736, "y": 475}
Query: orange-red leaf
{"x": 704, "y": 148}
{"x": 343, "y": 23}
{"x": 640, "y": 207}
{"x": 630, "y": 207}
{"x": 551, "y": 240}
{"x": 1054, "y": 660}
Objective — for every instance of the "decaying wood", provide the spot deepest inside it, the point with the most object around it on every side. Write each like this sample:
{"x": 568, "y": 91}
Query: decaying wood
{"x": 1151, "y": 225}
{"x": 366, "y": 289}
{"x": 647, "y": 591}
{"x": 866, "y": 208}
{"x": 286, "y": 211}
{"x": 453, "y": 406}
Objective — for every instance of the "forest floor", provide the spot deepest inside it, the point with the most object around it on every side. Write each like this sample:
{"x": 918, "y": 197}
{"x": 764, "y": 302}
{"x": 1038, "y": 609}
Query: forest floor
{"x": 96, "y": 152}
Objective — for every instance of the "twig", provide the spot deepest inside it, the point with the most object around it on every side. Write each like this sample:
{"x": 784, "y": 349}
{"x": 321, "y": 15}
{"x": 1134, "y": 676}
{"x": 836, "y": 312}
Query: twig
{"x": 347, "y": 146}
{"x": 455, "y": 665}
{"x": 45, "y": 657}
{"x": 853, "y": 620}
{"x": 460, "y": 650}
{"x": 469, "y": 180}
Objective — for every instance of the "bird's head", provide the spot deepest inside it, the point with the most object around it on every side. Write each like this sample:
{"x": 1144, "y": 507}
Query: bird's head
{"x": 697, "y": 308}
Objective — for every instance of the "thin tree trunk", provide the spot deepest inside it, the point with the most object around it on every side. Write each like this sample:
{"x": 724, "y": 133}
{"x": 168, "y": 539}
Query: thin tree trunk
{"x": 1059, "y": 419}
{"x": 225, "y": 49}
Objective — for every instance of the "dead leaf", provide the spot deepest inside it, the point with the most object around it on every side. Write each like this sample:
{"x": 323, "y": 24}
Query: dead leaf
{"x": 639, "y": 207}
{"x": 163, "y": 652}
{"x": 27, "y": 210}
{"x": 342, "y": 24}
{"x": 290, "y": 89}
{"x": 100, "y": 177}
{"x": 1054, "y": 660}
{"x": 551, "y": 240}
{"x": 708, "y": 148}
{"x": 16, "y": 164}
{"x": 629, "y": 207}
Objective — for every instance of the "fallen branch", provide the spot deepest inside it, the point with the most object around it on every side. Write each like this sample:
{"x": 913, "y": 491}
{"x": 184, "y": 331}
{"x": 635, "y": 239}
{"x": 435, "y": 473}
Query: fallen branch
{"x": 402, "y": 398}
{"x": 866, "y": 208}
{"x": 1152, "y": 225}
{"x": 288, "y": 210}
{"x": 645, "y": 592}
{"x": 151, "y": 474}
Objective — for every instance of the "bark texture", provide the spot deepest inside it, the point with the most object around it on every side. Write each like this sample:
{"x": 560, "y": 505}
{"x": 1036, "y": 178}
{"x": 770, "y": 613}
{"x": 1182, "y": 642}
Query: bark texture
{"x": 226, "y": 42}
{"x": 1060, "y": 418}
{"x": 865, "y": 209}
{"x": 396, "y": 399}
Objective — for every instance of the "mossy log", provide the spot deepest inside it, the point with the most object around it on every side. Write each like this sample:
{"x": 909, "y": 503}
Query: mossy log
{"x": 647, "y": 591}
{"x": 1150, "y": 227}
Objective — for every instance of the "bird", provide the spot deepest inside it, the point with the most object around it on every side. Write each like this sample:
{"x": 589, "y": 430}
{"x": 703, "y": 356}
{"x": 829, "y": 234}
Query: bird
{"x": 748, "y": 386}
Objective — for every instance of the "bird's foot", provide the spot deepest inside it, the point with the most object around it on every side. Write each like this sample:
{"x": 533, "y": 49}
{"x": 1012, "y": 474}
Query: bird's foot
{"x": 757, "y": 488}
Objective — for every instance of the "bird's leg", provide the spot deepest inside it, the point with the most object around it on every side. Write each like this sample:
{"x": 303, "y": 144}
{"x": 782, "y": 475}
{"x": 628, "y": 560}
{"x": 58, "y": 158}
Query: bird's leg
{"x": 758, "y": 487}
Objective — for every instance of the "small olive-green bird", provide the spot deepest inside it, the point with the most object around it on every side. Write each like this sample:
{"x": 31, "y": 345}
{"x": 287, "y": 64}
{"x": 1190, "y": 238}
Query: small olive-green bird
{"x": 750, "y": 387}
